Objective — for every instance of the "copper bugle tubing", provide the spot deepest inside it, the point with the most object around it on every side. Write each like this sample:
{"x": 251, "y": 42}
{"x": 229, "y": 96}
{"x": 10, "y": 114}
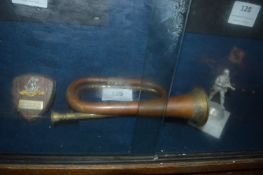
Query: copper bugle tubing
{"x": 192, "y": 106}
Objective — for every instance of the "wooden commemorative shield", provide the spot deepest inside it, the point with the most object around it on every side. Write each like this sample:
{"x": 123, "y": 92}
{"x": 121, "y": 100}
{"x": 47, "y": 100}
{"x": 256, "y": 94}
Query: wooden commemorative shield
{"x": 32, "y": 95}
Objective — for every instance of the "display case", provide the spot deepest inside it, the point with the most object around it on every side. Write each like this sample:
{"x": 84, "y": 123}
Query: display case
{"x": 145, "y": 86}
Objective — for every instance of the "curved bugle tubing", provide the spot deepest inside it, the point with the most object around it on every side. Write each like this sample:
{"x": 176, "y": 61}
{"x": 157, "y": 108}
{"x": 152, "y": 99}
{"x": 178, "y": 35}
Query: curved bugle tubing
{"x": 192, "y": 106}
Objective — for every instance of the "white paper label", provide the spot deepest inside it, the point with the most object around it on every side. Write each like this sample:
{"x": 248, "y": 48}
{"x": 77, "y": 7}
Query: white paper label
{"x": 116, "y": 94}
{"x": 244, "y": 14}
{"x": 35, "y": 3}
{"x": 30, "y": 104}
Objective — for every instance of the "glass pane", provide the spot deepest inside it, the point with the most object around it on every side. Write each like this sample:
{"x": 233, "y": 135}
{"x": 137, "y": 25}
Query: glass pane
{"x": 112, "y": 47}
{"x": 225, "y": 60}
{"x": 165, "y": 31}
{"x": 67, "y": 41}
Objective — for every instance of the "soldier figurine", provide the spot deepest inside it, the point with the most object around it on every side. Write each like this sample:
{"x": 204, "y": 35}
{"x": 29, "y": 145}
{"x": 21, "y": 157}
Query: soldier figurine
{"x": 221, "y": 85}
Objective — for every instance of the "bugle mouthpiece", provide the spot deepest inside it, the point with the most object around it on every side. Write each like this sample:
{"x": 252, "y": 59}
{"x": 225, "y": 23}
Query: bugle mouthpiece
{"x": 55, "y": 117}
{"x": 59, "y": 117}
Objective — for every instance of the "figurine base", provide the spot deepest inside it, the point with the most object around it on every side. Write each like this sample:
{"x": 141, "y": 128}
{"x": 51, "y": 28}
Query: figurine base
{"x": 216, "y": 121}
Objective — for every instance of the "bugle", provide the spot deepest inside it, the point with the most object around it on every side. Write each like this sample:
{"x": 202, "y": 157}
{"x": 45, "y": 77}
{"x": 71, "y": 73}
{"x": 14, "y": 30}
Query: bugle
{"x": 192, "y": 106}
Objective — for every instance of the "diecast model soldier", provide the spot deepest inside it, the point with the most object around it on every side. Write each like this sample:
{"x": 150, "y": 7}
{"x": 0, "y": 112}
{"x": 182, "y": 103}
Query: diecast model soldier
{"x": 221, "y": 85}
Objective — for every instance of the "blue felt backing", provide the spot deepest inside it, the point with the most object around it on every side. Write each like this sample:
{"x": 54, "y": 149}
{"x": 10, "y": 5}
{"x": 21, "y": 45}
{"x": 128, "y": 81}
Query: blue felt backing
{"x": 139, "y": 41}
{"x": 65, "y": 53}
{"x": 135, "y": 42}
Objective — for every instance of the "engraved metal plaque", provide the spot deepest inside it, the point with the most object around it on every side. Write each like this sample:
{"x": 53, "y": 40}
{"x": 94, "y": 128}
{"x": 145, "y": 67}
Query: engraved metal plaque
{"x": 32, "y": 95}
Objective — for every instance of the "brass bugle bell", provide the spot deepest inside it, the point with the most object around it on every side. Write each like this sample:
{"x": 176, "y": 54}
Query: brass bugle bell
{"x": 192, "y": 106}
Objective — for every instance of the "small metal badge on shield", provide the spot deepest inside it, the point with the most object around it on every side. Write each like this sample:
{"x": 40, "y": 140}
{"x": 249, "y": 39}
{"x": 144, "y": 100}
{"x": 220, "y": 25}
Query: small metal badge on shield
{"x": 32, "y": 95}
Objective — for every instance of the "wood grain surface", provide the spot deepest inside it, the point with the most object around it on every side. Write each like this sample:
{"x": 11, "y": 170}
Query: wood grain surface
{"x": 209, "y": 164}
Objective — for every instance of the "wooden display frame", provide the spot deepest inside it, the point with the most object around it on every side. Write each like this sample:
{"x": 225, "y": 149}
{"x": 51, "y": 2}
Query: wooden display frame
{"x": 219, "y": 163}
